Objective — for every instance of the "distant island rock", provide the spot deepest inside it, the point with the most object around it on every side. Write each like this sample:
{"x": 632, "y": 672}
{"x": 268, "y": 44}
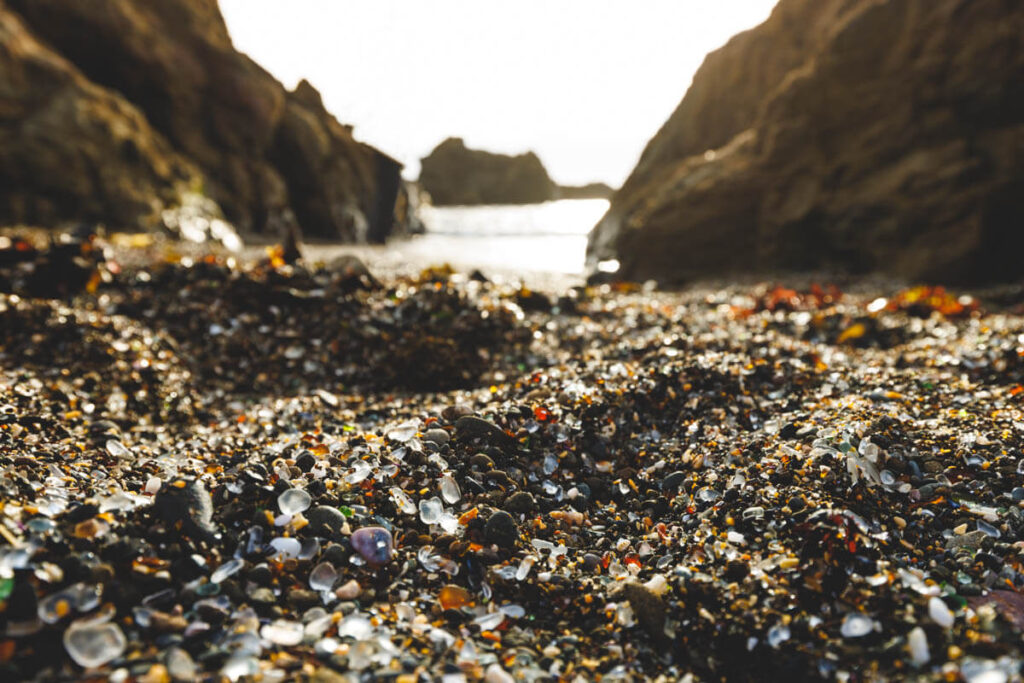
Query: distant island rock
{"x": 116, "y": 111}
{"x": 849, "y": 135}
{"x": 588, "y": 191}
{"x": 453, "y": 174}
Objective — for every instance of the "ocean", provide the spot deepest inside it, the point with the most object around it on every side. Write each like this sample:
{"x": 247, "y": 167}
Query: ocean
{"x": 539, "y": 244}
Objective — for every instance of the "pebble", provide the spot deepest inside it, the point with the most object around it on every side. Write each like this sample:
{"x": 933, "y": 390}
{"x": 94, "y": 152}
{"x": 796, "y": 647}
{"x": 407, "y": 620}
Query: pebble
{"x": 520, "y": 502}
{"x": 971, "y": 540}
{"x": 93, "y": 644}
{"x": 323, "y": 577}
{"x": 325, "y": 519}
{"x": 648, "y": 607}
{"x": 939, "y": 613}
{"x": 293, "y": 501}
{"x": 187, "y": 501}
{"x": 438, "y": 437}
{"x": 856, "y": 625}
{"x": 349, "y": 590}
{"x": 917, "y": 644}
{"x": 374, "y": 544}
{"x": 472, "y": 427}
{"x": 501, "y": 530}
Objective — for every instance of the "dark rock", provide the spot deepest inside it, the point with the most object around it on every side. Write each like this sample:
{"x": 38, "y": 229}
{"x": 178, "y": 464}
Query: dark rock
{"x": 305, "y": 461}
{"x": 57, "y": 127}
{"x": 262, "y": 598}
{"x": 520, "y": 502}
{"x": 438, "y": 437}
{"x": 157, "y": 97}
{"x": 501, "y": 530}
{"x": 648, "y": 607}
{"x": 324, "y": 519}
{"x": 472, "y": 427}
{"x": 302, "y": 598}
{"x": 336, "y": 554}
{"x": 455, "y": 174}
{"x": 187, "y": 501}
{"x": 260, "y": 575}
{"x": 588, "y": 191}
{"x": 671, "y": 483}
{"x": 847, "y": 135}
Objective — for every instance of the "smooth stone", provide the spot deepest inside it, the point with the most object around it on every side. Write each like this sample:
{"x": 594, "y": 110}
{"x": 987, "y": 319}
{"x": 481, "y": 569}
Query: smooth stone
{"x": 349, "y": 590}
{"x": 473, "y": 427}
{"x": 672, "y": 482}
{"x": 971, "y": 540}
{"x": 189, "y": 504}
{"x": 520, "y": 502}
{"x": 263, "y": 597}
{"x": 436, "y": 436}
{"x": 374, "y": 544}
{"x": 93, "y": 644}
{"x": 648, "y": 607}
{"x": 302, "y": 598}
{"x": 501, "y": 529}
{"x": 336, "y": 554}
{"x": 324, "y": 519}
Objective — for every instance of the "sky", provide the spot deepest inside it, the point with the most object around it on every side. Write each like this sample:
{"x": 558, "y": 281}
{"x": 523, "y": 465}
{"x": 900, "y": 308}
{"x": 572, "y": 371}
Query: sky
{"x": 583, "y": 83}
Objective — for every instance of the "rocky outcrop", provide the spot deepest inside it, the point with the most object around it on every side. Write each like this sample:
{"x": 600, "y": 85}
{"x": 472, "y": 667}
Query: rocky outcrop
{"x": 266, "y": 156}
{"x": 855, "y": 135}
{"x": 454, "y": 174}
{"x": 588, "y": 191}
{"x": 72, "y": 150}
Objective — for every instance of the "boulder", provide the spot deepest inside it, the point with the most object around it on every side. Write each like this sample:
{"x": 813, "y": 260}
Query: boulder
{"x": 266, "y": 156}
{"x": 840, "y": 135}
{"x": 454, "y": 174}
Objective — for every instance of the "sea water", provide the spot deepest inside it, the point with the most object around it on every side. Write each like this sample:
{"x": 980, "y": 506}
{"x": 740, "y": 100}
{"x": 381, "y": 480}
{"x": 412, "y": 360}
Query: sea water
{"x": 545, "y": 240}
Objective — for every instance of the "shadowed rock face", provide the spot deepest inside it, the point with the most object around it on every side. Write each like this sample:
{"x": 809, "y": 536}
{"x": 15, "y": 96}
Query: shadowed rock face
{"x": 70, "y": 149}
{"x": 853, "y": 135}
{"x": 455, "y": 174}
{"x": 266, "y": 156}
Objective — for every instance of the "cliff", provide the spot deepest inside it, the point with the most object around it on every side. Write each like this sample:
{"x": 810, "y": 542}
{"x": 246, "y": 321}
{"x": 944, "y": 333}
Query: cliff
{"x": 844, "y": 135}
{"x": 122, "y": 107}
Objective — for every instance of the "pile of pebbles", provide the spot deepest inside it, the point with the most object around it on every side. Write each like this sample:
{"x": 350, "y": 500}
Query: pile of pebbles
{"x": 211, "y": 471}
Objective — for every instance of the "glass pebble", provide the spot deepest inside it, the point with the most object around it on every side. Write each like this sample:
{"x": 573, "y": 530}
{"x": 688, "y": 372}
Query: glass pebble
{"x": 450, "y": 490}
{"x": 856, "y": 625}
{"x": 431, "y": 510}
{"x": 93, "y": 644}
{"x": 323, "y": 577}
{"x": 917, "y": 644}
{"x": 777, "y": 635}
{"x": 289, "y": 547}
{"x": 118, "y": 450}
{"x": 229, "y": 568}
{"x": 294, "y": 501}
{"x": 374, "y": 544}
{"x": 283, "y": 632}
{"x": 939, "y": 613}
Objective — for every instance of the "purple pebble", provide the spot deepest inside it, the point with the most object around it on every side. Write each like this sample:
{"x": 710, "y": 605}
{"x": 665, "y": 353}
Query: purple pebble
{"x": 374, "y": 544}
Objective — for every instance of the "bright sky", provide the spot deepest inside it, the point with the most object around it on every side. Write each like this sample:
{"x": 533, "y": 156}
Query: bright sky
{"x": 583, "y": 83}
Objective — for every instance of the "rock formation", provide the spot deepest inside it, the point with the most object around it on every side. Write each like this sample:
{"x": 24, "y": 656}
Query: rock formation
{"x": 588, "y": 191}
{"x": 70, "y": 149}
{"x": 455, "y": 174}
{"x": 856, "y": 135}
{"x": 120, "y": 106}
